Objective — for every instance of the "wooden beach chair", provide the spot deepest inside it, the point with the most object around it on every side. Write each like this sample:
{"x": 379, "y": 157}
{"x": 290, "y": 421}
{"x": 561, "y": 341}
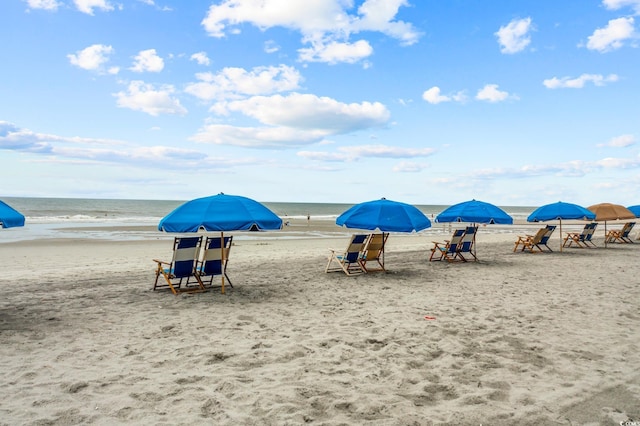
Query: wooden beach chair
{"x": 447, "y": 249}
{"x": 349, "y": 260}
{"x": 182, "y": 266}
{"x": 533, "y": 242}
{"x": 373, "y": 251}
{"x": 582, "y": 239}
{"x": 620, "y": 235}
{"x": 213, "y": 260}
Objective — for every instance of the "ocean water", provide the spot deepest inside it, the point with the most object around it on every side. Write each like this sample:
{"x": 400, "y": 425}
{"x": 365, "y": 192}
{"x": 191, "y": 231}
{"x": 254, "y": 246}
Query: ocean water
{"x": 137, "y": 219}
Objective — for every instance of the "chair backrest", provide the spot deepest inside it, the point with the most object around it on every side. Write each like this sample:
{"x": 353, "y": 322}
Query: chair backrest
{"x": 537, "y": 239}
{"x": 466, "y": 244}
{"x": 454, "y": 242}
{"x": 374, "y": 246}
{"x": 185, "y": 255}
{"x": 352, "y": 254}
{"x": 626, "y": 229}
{"x": 212, "y": 259}
{"x": 589, "y": 230}
{"x": 547, "y": 234}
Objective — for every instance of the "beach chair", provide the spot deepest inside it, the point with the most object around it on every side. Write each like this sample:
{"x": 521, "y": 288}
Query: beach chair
{"x": 620, "y": 235}
{"x": 533, "y": 242}
{"x": 467, "y": 244}
{"x": 213, "y": 260}
{"x": 182, "y": 266}
{"x": 373, "y": 251}
{"x": 349, "y": 260}
{"x": 582, "y": 239}
{"x": 447, "y": 249}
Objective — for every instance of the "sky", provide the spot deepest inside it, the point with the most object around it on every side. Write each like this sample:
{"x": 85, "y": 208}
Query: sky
{"x": 512, "y": 102}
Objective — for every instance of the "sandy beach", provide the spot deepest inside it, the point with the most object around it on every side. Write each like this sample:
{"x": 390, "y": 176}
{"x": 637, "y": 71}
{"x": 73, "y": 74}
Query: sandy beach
{"x": 513, "y": 339}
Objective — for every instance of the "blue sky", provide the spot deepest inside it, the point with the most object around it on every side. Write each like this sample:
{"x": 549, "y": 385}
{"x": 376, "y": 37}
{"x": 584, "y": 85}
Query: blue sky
{"x": 423, "y": 101}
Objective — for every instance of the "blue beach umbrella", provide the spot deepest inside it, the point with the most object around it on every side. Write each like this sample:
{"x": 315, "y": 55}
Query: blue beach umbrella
{"x": 384, "y": 215}
{"x": 475, "y": 212}
{"x": 10, "y": 217}
{"x": 635, "y": 210}
{"x": 559, "y": 211}
{"x": 220, "y": 213}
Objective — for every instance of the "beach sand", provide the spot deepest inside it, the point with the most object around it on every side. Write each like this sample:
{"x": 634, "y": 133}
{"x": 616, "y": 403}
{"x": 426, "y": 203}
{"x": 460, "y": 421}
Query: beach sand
{"x": 515, "y": 339}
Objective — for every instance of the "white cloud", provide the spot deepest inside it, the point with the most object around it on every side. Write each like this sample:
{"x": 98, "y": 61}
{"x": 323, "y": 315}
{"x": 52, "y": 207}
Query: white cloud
{"x": 201, "y": 58}
{"x": 271, "y": 46}
{"x": 144, "y": 97}
{"x": 92, "y": 57}
{"x": 612, "y": 36}
{"x": 409, "y": 167}
{"x": 618, "y": 4}
{"x": 335, "y": 52}
{"x": 491, "y": 93}
{"x": 622, "y": 141}
{"x": 77, "y": 150}
{"x": 306, "y": 111}
{"x": 147, "y": 60}
{"x": 44, "y": 4}
{"x": 579, "y": 82}
{"x": 514, "y": 37}
{"x": 294, "y": 120}
{"x": 324, "y": 24}
{"x": 354, "y": 153}
{"x": 237, "y": 82}
{"x": 87, "y": 6}
{"x": 433, "y": 96}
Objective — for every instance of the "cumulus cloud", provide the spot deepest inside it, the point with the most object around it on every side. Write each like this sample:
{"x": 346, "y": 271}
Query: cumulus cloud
{"x": 335, "y": 52}
{"x": 146, "y": 98}
{"x": 201, "y": 58}
{"x": 622, "y": 141}
{"x": 433, "y": 96}
{"x": 44, "y": 4}
{"x": 579, "y": 82}
{"x": 147, "y": 60}
{"x": 490, "y": 93}
{"x": 238, "y": 82}
{"x": 618, "y": 4}
{"x": 612, "y": 36}
{"x": 514, "y": 36}
{"x": 92, "y": 57}
{"x": 271, "y": 46}
{"x": 87, "y": 6}
{"x": 293, "y": 120}
{"x": 325, "y": 25}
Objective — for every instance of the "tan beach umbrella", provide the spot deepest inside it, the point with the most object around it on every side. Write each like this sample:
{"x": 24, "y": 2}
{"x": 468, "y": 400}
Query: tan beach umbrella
{"x": 608, "y": 211}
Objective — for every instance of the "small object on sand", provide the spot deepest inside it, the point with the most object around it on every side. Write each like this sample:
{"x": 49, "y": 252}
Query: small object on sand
{"x": 427, "y": 317}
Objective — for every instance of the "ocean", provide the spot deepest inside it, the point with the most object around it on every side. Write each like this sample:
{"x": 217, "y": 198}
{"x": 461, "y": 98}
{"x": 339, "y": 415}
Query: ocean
{"x": 136, "y": 219}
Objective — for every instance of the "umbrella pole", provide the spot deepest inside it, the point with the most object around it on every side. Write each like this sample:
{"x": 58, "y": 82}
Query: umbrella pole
{"x": 605, "y": 234}
{"x": 223, "y": 260}
{"x": 560, "y": 235}
{"x": 383, "y": 243}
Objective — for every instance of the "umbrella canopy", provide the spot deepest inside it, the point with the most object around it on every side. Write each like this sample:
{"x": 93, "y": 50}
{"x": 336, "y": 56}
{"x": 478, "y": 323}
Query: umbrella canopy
{"x": 220, "y": 213}
{"x": 385, "y": 215}
{"x": 635, "y": 210}
{"x": 475, "y": 212}
{"x": 10, "y": 217}
{"x": 608, "y": 211}
{"x": 559, "y": 211}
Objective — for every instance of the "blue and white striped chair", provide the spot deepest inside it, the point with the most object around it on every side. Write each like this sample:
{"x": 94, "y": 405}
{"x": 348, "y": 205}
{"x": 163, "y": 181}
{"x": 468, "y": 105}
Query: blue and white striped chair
{"x": 182, "y": 266}
{"x": 213, "y": 259}
{"x": 348, "y": 261}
